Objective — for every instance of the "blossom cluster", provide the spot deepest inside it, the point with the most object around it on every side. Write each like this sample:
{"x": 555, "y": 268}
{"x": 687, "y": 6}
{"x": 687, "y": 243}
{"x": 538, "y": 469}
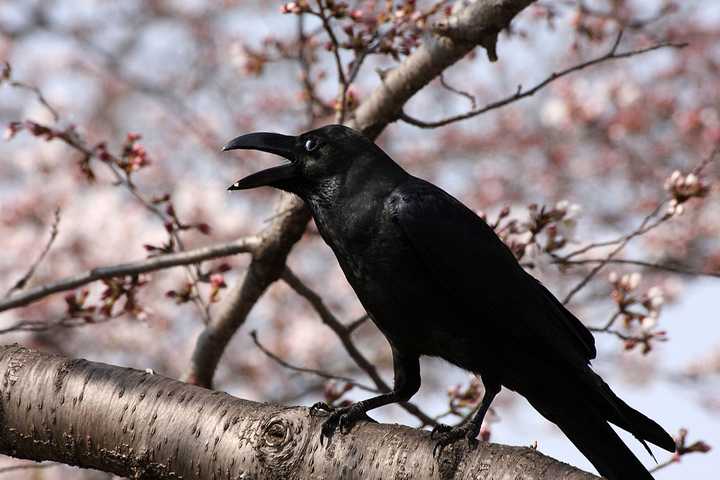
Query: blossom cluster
{"x": 547, "y": 230}
{"x": 682, "y": 188}
{"x": 638, "y": 309}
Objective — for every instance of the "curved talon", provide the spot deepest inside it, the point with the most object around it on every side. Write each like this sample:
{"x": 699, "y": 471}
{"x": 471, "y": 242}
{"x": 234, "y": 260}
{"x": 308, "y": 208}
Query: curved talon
{"x": 335, "y": 419}
{"x": 328, "y": 427}
{"x": 343, "y": 418}
{"x": 439, "y": 429}
{"x": 449, "y": 435}
{"x": 321, "y": 409}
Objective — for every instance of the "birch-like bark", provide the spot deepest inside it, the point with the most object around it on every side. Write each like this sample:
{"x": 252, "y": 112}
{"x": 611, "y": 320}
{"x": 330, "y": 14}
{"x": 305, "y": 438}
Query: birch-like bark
{"x": 142, "y": 425}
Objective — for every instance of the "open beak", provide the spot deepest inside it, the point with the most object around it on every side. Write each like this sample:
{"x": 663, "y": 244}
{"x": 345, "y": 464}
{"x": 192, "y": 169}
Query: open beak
{"x": 266, "y": 142}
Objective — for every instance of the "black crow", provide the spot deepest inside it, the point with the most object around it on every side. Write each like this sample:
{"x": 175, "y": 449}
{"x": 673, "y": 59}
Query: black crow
{"x": 437, "y": 281}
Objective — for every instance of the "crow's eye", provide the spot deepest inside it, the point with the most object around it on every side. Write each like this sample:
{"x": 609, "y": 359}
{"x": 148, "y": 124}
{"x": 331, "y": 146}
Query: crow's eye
{"x": 311, "y": 144}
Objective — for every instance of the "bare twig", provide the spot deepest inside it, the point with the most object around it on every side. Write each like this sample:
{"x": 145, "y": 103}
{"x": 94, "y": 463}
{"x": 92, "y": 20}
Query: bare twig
{"x": 311, "y": 96}
{"x": 160, "y": 262}
{"x": 7, "y": 74}
{"x": 319, "y": 373}
{"x": 344, "y": 336}
{"x": 664, "y": 464}
{"x": 64, "y": 322}
{"x": 20, "y": 284}
{"x": 683, "y": 447}
{"x": 645, "y": 226}
{"x": 344, "y": 84}
{"x": 450, "y": 88}
{"x": 612, "y": 54}
{"x": 617, "y": 333}
{"x": 631, "y": 23}
{"x": 352, "y": 326}
{"x": 639, "y": 263}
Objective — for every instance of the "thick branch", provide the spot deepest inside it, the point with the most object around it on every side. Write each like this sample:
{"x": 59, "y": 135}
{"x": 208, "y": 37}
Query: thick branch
{"x": 141, "y": 425}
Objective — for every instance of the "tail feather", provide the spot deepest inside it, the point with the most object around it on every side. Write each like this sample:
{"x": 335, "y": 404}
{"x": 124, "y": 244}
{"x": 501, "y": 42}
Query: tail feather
{"x": 588, "y": 430}
{"x": 643, "y": 427}
{"x": 616, "y": 411}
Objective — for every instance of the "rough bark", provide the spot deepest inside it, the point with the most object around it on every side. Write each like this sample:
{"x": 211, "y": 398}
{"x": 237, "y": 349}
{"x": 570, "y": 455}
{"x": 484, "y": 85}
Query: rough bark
{"x": 142, "y": 425}
{"x": 477, "y": 23}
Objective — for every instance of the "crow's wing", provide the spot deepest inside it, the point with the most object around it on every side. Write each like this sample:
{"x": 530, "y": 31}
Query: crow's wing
{"x": 470, "y": 264}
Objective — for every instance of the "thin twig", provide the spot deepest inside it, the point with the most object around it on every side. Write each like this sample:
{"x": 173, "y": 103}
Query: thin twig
{"x": 319, "y": 373}
{"x": 308, "y": 86}
{"x": 664, "y": 464}
{"x": 520, "y": 93}
{"x": 20, "y": 284}
{"x": 639, "y": 263}
{"x": 617, "y": 333}
{"x": 644, "y": 227}
{"x": 6, "y": 75}
{"x": 344, "y": 84}
{"x": 160, "y": 262}
{"x": 352, "y": 326}
{"x": 64, "y": 322}
{"x": 447, "y": 86}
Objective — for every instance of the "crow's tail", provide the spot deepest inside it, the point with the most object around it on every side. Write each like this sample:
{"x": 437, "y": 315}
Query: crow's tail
{"x": 588, "y": 429}
{"x": 629, "y": 419}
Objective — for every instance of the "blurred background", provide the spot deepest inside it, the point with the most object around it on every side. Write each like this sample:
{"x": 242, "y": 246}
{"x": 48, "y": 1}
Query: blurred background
{"x": 115, "y": 113}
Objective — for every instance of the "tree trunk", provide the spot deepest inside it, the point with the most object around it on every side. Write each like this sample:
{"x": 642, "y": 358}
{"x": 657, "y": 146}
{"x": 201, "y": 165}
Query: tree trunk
{"x": 141, "y": 425}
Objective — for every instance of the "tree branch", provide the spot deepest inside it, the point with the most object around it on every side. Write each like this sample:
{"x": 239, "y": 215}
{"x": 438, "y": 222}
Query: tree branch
{"x": 160, "y": 262}
{"x": 268, "y": 263}
{"x": 610, "y": 55}
{"x": 638, "y": 263}
{"x": 141, "y": 425}
{"x": 645, "y": 226}
{"x": 20, "y": 284}
{"x": 471, "y": 26}
{"x": 312, "y": 371}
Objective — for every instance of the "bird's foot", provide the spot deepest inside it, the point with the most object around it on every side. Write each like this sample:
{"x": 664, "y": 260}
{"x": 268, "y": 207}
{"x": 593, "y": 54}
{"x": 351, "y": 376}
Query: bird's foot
{"x": 321, "y": 409}
{"x": 343, "y": 418}
{"x": 447, "y": 435}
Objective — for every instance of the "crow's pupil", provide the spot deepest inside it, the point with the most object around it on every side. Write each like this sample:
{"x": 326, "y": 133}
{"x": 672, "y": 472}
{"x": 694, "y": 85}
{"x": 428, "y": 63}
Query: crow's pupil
{"x": 311, "y": 145}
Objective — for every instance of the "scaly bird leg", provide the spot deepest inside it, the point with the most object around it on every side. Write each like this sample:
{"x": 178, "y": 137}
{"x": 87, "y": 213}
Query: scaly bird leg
{"x": 448, "y": 435}
{"x": 407, "y": 383}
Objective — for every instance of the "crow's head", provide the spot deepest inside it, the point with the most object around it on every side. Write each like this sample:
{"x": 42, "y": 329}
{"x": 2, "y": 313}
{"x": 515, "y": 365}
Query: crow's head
{"x": 319, "y": 159}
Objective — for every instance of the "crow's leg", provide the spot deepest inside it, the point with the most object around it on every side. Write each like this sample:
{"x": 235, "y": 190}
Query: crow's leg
{"x": 406, "y": 384}
{"x": 469, "y": 430}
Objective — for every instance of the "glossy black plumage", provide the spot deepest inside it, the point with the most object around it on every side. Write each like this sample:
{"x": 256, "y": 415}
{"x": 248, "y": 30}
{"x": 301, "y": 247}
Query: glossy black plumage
{"x": 437, "y": 281}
